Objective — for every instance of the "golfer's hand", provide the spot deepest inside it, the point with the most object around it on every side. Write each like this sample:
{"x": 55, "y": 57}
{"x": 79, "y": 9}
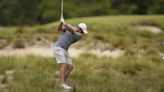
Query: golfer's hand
{"x": 62, "y": 21}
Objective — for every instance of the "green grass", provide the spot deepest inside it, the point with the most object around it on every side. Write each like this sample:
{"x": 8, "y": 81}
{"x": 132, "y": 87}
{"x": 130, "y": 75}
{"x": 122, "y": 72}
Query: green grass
{"x": 91, "y": 74}
{"x": 110, "y": 22}
{"x": 112, "y": 29}
{"x": 139, "y": 70}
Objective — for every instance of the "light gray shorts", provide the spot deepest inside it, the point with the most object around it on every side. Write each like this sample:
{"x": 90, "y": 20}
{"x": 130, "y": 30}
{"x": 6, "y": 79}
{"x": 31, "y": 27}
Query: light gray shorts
{"x": 62, "y": 55}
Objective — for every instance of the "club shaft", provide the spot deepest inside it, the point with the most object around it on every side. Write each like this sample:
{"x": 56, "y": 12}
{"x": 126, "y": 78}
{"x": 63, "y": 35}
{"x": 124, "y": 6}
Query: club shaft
{"x": 62, "y": 9}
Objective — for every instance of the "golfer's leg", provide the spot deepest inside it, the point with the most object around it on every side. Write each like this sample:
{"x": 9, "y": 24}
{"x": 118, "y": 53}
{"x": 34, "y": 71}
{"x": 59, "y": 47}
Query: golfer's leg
{"x": 63, "y": 68}
{"x": 68, "y": 71}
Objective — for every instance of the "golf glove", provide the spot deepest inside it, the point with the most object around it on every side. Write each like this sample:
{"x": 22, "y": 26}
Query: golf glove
{"x": 62, "y": 20}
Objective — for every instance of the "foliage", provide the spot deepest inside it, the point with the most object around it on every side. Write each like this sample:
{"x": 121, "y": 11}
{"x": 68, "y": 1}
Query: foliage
{"x": 32, "y": 12}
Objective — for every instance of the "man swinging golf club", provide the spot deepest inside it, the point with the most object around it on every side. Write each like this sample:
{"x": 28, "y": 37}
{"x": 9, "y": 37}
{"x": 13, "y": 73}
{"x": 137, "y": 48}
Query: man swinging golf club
{"x": 70, "y": 35}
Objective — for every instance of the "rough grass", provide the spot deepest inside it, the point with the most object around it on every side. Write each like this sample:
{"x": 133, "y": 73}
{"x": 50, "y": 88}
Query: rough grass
{"x": 91, "y": 74}
{"x": 139, "y": 70}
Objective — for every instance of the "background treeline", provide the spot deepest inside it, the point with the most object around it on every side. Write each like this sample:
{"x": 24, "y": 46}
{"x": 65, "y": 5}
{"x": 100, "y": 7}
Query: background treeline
{"x": 31, "y": 12}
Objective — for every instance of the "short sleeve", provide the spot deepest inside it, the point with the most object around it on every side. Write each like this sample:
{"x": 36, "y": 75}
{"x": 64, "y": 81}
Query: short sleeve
{"x": 77, "y": 36}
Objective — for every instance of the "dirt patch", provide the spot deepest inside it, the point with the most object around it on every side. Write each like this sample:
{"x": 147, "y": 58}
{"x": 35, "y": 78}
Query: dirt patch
{"x": 48, "y": 52}
{"x": 146, "y": 26}
{"x": 152, "y": 29}
{"x": 108, "y": 53}
{"x": 45, "y": 52}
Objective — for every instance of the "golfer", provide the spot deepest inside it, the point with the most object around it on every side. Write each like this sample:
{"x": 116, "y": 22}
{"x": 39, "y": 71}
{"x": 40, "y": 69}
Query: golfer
{"x": 69, "y": 36}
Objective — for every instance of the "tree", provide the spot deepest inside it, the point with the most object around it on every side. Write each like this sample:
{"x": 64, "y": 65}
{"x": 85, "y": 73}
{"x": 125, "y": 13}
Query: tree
{"x": 31, "y": 12}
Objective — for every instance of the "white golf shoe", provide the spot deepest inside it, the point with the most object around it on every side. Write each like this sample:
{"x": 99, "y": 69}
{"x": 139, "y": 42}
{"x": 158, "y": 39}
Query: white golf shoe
{"x": 65, "y": 86}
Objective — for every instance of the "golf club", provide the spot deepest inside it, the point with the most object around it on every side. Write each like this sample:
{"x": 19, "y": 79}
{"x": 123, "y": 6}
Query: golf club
{"x": 61, "y": 16}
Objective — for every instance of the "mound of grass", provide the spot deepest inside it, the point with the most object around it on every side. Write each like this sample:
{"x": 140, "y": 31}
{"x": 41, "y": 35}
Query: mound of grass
{"x": 114, "y": 30}
{"x": 29, "y": 73}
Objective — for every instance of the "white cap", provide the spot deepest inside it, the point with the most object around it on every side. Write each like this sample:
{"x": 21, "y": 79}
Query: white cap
{"x": 163, "y": 57}
{"x": 83, "y": 26}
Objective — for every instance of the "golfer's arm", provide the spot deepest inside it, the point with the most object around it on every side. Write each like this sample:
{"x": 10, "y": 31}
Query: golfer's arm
{"x": 60, "y": 27}
{"x": 70, "y": 29}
